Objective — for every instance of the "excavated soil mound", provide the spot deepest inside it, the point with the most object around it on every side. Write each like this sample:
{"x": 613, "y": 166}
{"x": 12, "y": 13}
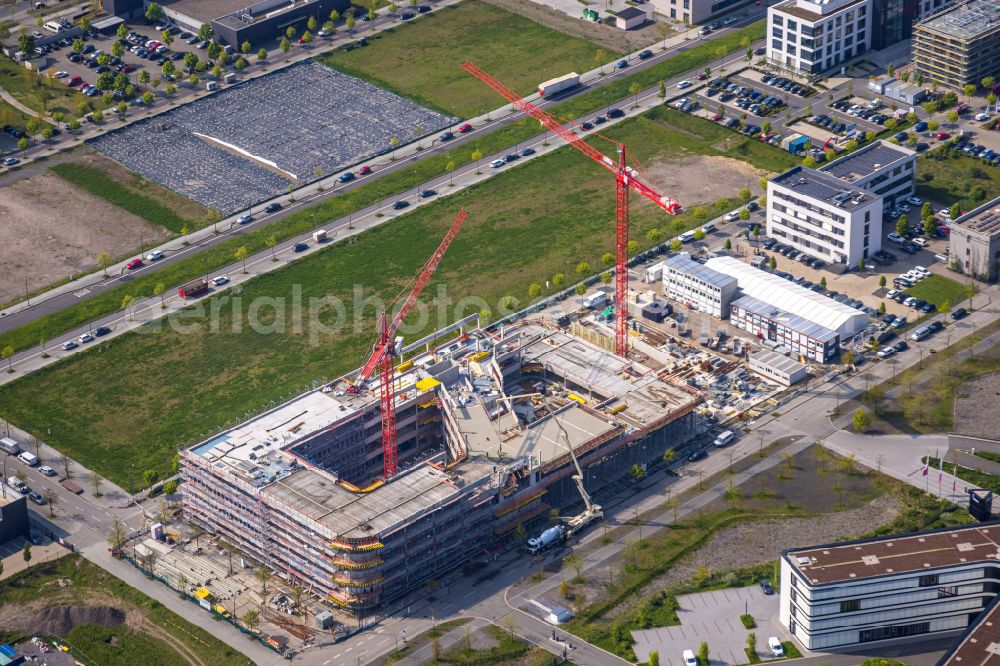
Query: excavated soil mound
{"x": 60, "y": 620}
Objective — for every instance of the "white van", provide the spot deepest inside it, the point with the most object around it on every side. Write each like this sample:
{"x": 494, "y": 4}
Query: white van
{"x": 920, "y": 333}
{"x": 54, "y": 27}
{"x": 777, "y": 649}
{"x": 7, "y": 445}
{"x": 595, "y": 301}
{"x": 724, "y": 438}
{"x": 686, "y": 237}
{"x": 29, "y": 459}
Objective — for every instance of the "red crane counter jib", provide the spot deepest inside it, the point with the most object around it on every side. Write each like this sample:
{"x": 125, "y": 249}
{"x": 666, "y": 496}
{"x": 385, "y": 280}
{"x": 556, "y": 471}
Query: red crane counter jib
{"x": 384, "y": 351}
{"x": 625, "y": 178}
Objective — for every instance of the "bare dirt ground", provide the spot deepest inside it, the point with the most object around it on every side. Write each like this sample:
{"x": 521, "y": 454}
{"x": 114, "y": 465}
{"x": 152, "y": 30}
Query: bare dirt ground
{"x": 703, "y": 178}
{"x": 51, "y": 229}
{"x": 604, "y": 36}
{"x": 977, "y": 408}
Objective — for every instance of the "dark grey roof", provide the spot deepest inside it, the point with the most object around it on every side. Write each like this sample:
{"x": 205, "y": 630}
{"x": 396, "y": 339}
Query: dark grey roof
{"x": 794, "y": 322}
{"x": 631, "y": 13}
{"x": 683, "y": 263}
{"x": 822, "y": 186}
{"x": 983, "y": 220}
{"x": 861, "y": 163}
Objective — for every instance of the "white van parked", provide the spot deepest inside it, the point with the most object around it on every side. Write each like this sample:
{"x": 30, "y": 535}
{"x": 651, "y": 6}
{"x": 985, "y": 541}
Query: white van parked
{"x": 7, "y": 445}
{"x": 595, "y": 301}
{"x": 724, "y": 438}
{"x": 29, "y": 459}
{"x": 686, "y": 237}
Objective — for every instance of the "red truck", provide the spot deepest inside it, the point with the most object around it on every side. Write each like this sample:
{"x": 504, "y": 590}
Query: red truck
{"x": 193, "y": 289}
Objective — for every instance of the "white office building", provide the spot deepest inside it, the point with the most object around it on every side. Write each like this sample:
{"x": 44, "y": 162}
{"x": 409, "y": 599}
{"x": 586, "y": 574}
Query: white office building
{"x": 809, "y": 36}
{"x": 823, "y": 216}
{"x": 884, "y": 169}
{"x": 920, "y": 585}
{"x": 697, "y": 286}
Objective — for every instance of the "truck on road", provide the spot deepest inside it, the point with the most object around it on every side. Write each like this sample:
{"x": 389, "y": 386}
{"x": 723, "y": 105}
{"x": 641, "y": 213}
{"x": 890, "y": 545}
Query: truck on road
{"x": 558, "y": 85}
{"x": 547, "y": 539}
{"x": 193, "y": 289}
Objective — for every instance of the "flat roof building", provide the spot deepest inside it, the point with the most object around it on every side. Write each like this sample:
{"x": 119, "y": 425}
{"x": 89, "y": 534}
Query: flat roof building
{"x": 884, "y": 169}
{"x": 13, "y": 514}
{"x": 794, "y": 299}
{"x": 802, "y": 37}
{"x": 959, "y": 45}
{"x": 823, "y": 216}
{"x": 235, "y": 21}
{"x": 629, "y": 18}
{"x": 777, "y": 367}
{"x": 299, "y": 488}
{"x": 697, "y": 286}
{"x": 802, "y": 337}
{"x": 925, "y": 584}
{"x": 975, "y": 242}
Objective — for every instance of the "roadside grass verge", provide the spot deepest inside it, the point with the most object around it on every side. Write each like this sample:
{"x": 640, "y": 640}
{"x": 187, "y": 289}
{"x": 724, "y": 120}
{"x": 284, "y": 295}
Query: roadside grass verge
{"x": 941, "y": 291}
{"x": 948, "y": 176}
{"x": 974, "y": 477}
{"x": 209, "y": 261}
{"x": 170, "y": 387}
{"x": 100, "y": 184}
{"x": 88, "y": 582}
{"x": 421, "y": 59}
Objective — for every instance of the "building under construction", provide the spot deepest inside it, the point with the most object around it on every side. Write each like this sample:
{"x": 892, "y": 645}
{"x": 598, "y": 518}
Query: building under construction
{"x": 301, "y": 488}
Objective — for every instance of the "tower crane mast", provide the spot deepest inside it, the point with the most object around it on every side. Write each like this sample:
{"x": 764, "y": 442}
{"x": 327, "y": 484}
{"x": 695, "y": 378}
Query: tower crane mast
{"x": 625, "y": 178}
{"x": 387, "y": 346}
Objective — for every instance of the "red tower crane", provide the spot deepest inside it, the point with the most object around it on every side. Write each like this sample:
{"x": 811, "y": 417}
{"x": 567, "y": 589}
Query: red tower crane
{"x": 387, "y": 347}
{"x": 625, "y": 178}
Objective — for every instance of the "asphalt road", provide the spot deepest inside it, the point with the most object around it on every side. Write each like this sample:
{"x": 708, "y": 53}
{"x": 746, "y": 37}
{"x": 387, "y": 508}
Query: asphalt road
{"x": 58, "y": 302}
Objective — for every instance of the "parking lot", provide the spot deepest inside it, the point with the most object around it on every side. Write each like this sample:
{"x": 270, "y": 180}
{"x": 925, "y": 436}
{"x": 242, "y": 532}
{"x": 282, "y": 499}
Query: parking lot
{"x": 714, "y": 617}
{"x": 251, "y": 142}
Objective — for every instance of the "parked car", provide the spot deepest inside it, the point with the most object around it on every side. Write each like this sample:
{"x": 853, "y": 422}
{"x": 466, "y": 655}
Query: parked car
{"x": 300, "y": 247}
{"x": 85, "y": 338}
{"x": 496, "y": 164}
{"x": 46, "y": 470}
{"x": 401, "y": 204}
{"x": 462, "y": 129}
{"x": 684, "y": 84}
{"x": 101, "y": 331}
{"x": 70, "y": 345}
{"x": 244, "y": 219}
{"x": 134, "y": 264}
{"x": 273, "y": 207}
{"x": 775, "y": 646}
{"x": 155, "y": 255}
{"x": 364, "y": 171}
{"x": 766, "y": 587}
{"x": 220, "y": 280}
{"x": 959, "y": 313}
{"x": 345, "y": 177}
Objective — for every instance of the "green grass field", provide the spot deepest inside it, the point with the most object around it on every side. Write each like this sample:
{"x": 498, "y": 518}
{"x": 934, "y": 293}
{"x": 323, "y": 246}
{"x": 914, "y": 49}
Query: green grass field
{"x": 129, "y": 645}
{"x": 139, "y": 197}
{"x": 526, "y": 224}
{"x": 948, "y": 177}
{"x": 421, "y": 60}
{"x": 940, "y": 290}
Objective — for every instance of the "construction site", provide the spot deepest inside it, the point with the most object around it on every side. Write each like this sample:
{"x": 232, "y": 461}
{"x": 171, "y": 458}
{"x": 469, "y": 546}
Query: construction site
{"x": 303, "y": 487}
{"x": 460, "y": 443}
